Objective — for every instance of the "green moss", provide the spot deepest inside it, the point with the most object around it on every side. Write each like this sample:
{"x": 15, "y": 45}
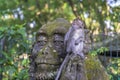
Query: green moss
{"x": 60, "y": 25}
{"x": 91, "y": 61}
{"x": 94, "y": 68}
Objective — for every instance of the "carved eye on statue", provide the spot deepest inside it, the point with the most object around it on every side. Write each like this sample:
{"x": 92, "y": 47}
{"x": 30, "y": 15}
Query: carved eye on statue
{"x": 41, "y": 40}
{"x": 58, "y": 40}
{"x": 41, "y": 37}
{"x": 42, "y": 43}
{"x": 58, "y": 43}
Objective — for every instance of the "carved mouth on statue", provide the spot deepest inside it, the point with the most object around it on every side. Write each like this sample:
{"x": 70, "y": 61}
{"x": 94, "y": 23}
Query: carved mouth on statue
{"x": 46, "y": 68}
{"x": 46, "y": 75}
{"x": 46, "y": 71}
{"x": 47, "y": 61}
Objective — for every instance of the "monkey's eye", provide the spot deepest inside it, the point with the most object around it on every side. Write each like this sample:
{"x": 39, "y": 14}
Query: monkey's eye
{"x": 58, "y": 43}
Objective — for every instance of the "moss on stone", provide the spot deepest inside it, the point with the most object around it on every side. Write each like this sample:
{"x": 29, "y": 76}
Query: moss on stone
{"x": 94, "y": 69}
{"x": 59, "y": 25}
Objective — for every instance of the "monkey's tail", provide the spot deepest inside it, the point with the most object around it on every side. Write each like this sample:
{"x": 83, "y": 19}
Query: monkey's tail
{"x": 61, "y": 67}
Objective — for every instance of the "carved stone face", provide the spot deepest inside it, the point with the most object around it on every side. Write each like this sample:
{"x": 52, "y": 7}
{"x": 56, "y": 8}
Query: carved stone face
{"x": 48, "y": 50}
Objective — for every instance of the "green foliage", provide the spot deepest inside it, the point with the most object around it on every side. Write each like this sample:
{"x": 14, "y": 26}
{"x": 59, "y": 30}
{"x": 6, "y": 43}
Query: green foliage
{"x": 98, "y": 51}
{"x": 15, "y": 58}
{"x": 114, "y": 69}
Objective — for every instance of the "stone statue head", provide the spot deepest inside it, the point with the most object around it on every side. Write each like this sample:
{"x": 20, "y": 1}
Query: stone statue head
{"x": 48, "y": 51}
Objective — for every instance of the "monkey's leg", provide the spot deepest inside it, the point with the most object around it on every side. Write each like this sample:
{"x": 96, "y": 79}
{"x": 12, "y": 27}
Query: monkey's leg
{"x": 61, "y": 67}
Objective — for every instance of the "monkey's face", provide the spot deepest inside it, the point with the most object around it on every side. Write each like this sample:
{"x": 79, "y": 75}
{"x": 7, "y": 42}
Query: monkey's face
{"x": 50, "y": 51}
{"x": 78, "y": 24}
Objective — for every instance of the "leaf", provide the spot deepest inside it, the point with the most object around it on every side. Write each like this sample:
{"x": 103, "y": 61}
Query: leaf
{"x": 24, "y": 62}
{"x": 12, "y": 71}
{"x": 22, "y": 32}
{"x": 1, "y": 36}
{"x": 2, "y": 29}
{"x": 2, "y": 61}
{"x": 7, "y": 56}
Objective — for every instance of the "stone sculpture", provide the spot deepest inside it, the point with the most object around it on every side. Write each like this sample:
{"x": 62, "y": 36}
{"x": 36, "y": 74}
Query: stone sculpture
{"x": 48, "y": 53}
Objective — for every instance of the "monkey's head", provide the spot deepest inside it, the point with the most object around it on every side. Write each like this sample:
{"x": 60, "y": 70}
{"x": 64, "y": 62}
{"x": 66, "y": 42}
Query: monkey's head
{"x": 78, "y": 24}
{"x": 50, "y": 48}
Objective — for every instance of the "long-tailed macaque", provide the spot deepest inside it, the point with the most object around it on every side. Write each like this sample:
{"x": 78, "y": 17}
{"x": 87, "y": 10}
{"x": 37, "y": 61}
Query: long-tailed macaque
{"x": 74, "y": 42}
{"x": 75, "y": 37}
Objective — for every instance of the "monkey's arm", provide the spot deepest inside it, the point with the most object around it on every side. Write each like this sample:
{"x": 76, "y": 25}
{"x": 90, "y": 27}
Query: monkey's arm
{"x": 62, "y": 66}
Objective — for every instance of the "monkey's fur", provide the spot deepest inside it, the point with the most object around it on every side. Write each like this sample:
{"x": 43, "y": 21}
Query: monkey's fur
{"x": 74, "y": 42}
{"x": 75, "y": 37}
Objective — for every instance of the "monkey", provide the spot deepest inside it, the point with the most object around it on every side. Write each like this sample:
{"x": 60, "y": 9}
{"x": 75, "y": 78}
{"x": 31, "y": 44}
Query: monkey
{"x": 73, "y": 42}
{"x": 74, "y": 38}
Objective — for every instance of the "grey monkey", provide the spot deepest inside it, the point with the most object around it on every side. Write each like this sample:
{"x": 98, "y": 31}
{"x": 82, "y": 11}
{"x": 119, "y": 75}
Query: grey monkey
{"x": 74, "y": 43}
{"x": 75, "y": 37}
